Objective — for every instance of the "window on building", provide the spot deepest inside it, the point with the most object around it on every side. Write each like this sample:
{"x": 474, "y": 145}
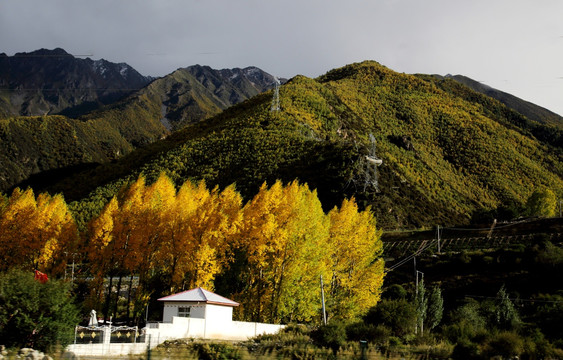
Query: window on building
{"x": 184, "y": 311}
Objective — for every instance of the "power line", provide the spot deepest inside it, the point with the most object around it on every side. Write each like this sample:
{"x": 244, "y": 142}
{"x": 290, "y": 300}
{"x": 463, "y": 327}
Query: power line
{"x": 514, "y": 299}
{"x": 488, "y": 228}
{"x": 410, "y": 257}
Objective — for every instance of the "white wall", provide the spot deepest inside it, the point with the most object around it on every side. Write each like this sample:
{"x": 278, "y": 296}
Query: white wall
{"x": 108, "y": 349}
{"x": 215, "y": 327}
{"x": 198, "y": 311}
{"x": 218, "y": 313}
{"x": 206, "y": 329}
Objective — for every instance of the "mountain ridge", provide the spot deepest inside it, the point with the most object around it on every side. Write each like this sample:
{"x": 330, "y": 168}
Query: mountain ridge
{"x": 165, "y": 104}
{"x": 444, "y": 158}
{"x": 526, "y": 108}
{"x": 45, "y": 82}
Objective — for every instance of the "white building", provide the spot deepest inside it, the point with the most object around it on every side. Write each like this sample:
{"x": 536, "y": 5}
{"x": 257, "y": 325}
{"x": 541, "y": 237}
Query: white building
{"x": 195, "y": 313}
{"x": 199, "y": 313}
{"x": 198, "y": 304}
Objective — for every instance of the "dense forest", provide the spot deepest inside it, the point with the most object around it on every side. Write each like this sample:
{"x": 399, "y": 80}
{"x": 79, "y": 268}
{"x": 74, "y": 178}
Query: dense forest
{"x": 267, "y": 253}
{"x": 445, "y": 158}
{"x": 257, "y": 204}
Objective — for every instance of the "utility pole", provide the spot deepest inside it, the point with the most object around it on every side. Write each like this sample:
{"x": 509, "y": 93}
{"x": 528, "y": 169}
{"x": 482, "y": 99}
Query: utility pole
{"x": 414, "y": 260}
{"x": 419, "y": 321}
{"x": 438, "y": 235}
{"x": 492, "y": 227}
{"x": 323, "y": 300}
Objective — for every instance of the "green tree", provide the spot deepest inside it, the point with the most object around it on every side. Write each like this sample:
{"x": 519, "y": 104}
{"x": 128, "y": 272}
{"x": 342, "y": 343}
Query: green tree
{"x": 435, "y": 308}
{"x": 465, "y": 322}
{"x": 543, "y": 203}
{"x": 399, "y": 315}
{"x": 33, "y": 314}
{"x": 421, "y": 303}
{"x": 506, "y": 316}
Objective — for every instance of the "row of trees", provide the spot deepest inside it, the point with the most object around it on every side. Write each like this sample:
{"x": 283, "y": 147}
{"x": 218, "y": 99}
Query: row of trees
{"x": 267, "y": 254}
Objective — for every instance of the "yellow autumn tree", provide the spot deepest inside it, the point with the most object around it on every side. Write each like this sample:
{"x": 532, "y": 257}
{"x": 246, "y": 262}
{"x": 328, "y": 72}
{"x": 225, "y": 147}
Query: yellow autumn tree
{"x": 18, "y": 228}
{"x": 36, "y": 233}
{"x": 283, "y": 235}
{"x": 203, "y": 225}
{"x": 355, "y": 261}
{"x": 149, "y": 212}
{"x": 56, "y": 236}
{"x": 172, "y": 254}
{"x": 112, "y": 236}
{"x": 99, "y": 248}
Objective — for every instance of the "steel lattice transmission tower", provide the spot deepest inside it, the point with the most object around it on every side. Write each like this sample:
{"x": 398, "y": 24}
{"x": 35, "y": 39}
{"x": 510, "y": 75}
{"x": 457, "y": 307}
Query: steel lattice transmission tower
{"x": 372, "y": 162}
{"x": 276, "y": 99}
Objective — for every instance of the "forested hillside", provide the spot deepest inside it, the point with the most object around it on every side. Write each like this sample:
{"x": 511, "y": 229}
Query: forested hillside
{"x": 40, "y": 150}
{"x": 47, "y": 82}
{"x": 529, "y": 110}
{"x": 191, "y": 94}
{"x": 444, "y": 157}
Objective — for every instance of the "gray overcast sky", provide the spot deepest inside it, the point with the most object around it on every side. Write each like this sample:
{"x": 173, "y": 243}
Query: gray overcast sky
{"x": 512, "y": 45}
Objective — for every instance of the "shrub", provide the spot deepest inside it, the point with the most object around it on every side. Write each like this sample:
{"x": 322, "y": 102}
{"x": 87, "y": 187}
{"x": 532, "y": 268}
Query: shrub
{"x": 216, "y": 351}
{"x": 395, "y": 292}
{"x": 397, "y": 315}
{"x": 34, "y": 314}
{"x": 505, "y": 344}
{"x": 465, "y": 322}
{"x": 465, "y": 350}
{"x": 361, "y": 331}
{"x": 332, "y": 335}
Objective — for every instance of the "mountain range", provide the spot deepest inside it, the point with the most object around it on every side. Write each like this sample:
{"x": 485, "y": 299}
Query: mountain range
{"x": 45, "y": 82}
{"x": 526, "y": 108}
{"x": 447, "y": 150}
{"x": 57, "y": 145}
{"x": 444, "y": 158}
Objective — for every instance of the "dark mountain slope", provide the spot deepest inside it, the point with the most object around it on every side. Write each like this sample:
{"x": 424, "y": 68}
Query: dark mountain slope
{"x": 526, "y": 108}
{"x": 30, "y": 145}
{"x": 551, "y": 133}
{"x": 443, "y": 157}
{"x": 53, "y": 81}
{"x": 191, "y": 94}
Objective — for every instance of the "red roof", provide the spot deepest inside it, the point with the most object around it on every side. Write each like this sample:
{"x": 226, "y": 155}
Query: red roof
{"x": 199, "y": 295}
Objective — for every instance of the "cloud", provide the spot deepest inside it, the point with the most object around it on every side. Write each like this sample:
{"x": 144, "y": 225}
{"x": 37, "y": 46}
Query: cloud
{"x": 493, "y": 41}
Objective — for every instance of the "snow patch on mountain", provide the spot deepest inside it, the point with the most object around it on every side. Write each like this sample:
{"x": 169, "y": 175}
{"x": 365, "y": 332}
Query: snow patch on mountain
{"x": 99, "y": 66}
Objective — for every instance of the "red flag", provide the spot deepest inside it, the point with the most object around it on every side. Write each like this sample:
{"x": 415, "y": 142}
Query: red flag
{"x": 41, "y": 277}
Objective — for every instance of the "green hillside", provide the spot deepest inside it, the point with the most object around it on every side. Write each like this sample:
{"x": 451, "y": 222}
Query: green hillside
{"x": 444, "y": 157}
{"x": 531, "y": 111}
{"x": 54, "y": 146}
{"x": 38, "y": 151}
{"x": 191, "y": 94}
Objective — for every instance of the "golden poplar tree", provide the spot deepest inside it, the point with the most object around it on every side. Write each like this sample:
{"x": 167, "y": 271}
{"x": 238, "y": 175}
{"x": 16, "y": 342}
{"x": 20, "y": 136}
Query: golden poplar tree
{"x": 57, "y": 234}
{"x": 148, "y": 215}
{"x": 100, "y": 244}
{"x": 18, "y": 228}
{"x": 172, "y": 254}
{"x": 284, "y": 234}
{"x": 197, "y": 235}
{"x": 36, "y": 233}
{"x": 355, "y": 261}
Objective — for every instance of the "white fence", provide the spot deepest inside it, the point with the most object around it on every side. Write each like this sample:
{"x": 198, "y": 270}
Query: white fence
{"x": 108, "y": 341}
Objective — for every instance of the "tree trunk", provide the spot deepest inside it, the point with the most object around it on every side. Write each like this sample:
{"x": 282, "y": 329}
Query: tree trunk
{"x": 117, "y": 295}
{"x": 108, "y": 298}
{"x": 127, "y": 317}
